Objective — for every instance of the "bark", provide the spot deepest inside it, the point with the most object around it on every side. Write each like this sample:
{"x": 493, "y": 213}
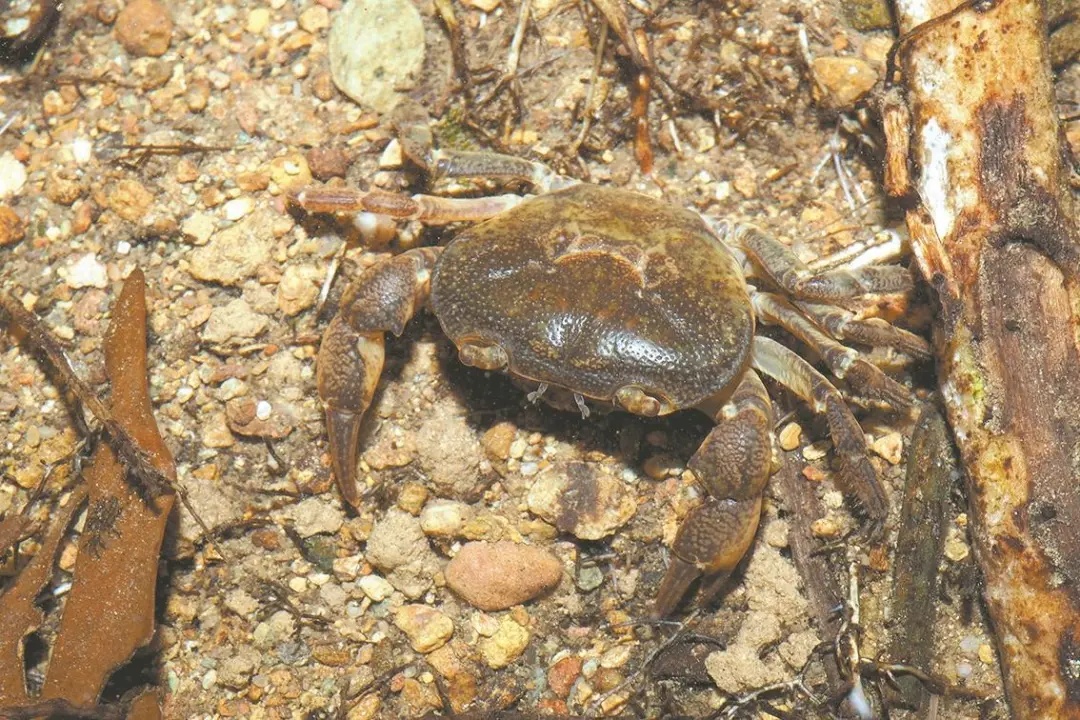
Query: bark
{"x": 975, "y": 155}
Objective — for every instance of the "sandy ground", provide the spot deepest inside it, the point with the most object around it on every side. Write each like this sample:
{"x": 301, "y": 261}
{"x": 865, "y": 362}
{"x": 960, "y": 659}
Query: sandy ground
{"x": 299, "y": 608}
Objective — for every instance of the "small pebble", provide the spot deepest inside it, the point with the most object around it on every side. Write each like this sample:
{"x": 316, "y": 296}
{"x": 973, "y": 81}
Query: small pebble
{"x": 87, "y": 271}
{"x": 375, "y": 587}
{"x": 890, "y": 447}
{"x": 144, "y": 28}
{"x": 790, "y": 436}
{"x": 444, "y": 518}
{"x": 263, "y": 409}
{"x": 314, "y": 516}
{"x": 12, "y": 228}
{"x": 816, "y": 451}
{"x": 842, "y": 81}
{"x": 589, "y": 578}
{"x": 12, "y": 175}
{"x": 563, "y": 674}
{"x": 506, "y": 645}
{"x": 496, "y": 576}
{"x": 426, "y": 627}
{"x": 238, "y": 208}
{"x": 411, "y": 498}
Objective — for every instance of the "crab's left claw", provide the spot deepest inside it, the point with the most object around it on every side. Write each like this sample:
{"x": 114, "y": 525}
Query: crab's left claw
{"x": 710, "y": 543}
{"x": 733, "y": 465}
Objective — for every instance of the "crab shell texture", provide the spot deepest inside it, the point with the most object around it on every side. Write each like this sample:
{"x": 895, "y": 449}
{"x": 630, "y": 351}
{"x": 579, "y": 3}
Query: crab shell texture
{"x": 596, "y": 290}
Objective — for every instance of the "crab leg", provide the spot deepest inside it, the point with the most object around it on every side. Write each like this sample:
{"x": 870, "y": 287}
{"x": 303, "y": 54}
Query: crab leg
{"x": 428, "y": 209}
{"x": 382, "y": 300}
{"x": 791, "y": 274}
{"x": 874, "y": 332}
{"x": 733, "y": 464}
{"x": 856, "y": 475}
{"x": 496, "y": 166}
{"x": 845, "y": 363}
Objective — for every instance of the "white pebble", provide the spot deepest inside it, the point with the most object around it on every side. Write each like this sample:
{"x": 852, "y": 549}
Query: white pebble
{"x": 262, "y": 410}
{"x": 87, "y": 271}
{"x": 238, "y": 208}
{"x": 375, "y": 587}
{"x": 12, "y": 175}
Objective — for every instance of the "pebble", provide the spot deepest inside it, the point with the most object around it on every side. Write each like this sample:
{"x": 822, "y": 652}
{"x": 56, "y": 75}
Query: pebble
{"x": 506, "y": 645}
{"x": 314, "y": 516}
{"x": 444, "y": 518}
{"x": 563, "y": 674}
{"x": 241, "y": 603}
{"x": 290, "y": 170}
{"x": 411, "y": 498}
{"x": 326, "y": 163}
{"x": 497, "y": 441}
{"x": 87, "y": 271}
{"x": 235, "y": 672}
{"x": 790, "y": 436}
{"x": 199, "y": 227}
{"x": 842, "y": 81}
{"x": 238, "y": 208}
{"x": 375, "y": 587}
{"x": 215, "y": 432}
{"x": 12, "y": 228}
{"x": 376, "y": 49}
{"x": 257, "y": 21}
{"x": 12, "y": 175}
{"x": 582, "y": 500}
{"x": 234, "y": 254}
{"x": 816, "y": 451}
{"x": 144, "y": 28}
{"x": 395, "y": 540}
{"x": 496, "y": 576}
{"x": 890, "y": 447}
{"x": 244, "y": 418}
{"x": 233, "y": 322}
{"x": 298, "y": 288}
{"x": 314, "y": 19}
{"x": 130, "y": 200}
{"x": 426, "y": 627}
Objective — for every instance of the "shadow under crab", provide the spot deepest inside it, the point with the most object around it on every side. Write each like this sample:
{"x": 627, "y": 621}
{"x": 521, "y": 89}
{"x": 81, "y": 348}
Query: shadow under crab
{"x": 593, "y": 295}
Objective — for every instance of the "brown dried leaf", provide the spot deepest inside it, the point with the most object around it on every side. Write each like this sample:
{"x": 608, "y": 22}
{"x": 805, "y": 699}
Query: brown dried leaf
{"x": 110, "y": 611}
{"x": 21, "y": 614}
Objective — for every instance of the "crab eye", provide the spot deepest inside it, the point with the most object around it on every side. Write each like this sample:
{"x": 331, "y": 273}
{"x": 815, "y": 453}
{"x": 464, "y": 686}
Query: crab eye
{"x": 635, "y": 400}
{"x": 484, "y": 357}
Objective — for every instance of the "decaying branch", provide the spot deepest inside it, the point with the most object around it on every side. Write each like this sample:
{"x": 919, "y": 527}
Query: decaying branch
{"x": 974, "y": 155}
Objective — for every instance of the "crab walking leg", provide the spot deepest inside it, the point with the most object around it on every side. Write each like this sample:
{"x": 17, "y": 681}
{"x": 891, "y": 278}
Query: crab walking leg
{"x": 874, "y": 332}
{"x": 427, "y": 209}
{"x": 382, "y": 300}
{"x": 496, "y": 166}
{"x": 790, "y": 273}
{"x": 733, "y": 464}
{"x": 857, "y": 475}
{"x": 864, "y": 377}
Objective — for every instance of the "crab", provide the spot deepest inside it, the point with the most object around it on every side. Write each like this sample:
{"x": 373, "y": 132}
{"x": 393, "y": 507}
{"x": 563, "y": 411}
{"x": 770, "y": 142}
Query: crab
{"x": 595, "y": 296}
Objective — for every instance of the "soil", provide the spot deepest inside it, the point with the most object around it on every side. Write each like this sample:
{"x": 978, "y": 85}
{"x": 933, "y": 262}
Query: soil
{"x": 177, "y": 163}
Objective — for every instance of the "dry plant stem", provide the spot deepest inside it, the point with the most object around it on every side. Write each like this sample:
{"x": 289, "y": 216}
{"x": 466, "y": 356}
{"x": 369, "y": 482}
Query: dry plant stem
{"x": 994, "y": 230}
{"x": 932, "y": 472}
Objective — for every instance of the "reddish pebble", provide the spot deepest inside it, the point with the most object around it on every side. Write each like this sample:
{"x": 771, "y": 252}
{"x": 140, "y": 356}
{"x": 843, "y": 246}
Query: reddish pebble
{"x": 144, "y": 28}
{"x": 563, "y": 675}
{"x": 495, "y": 576}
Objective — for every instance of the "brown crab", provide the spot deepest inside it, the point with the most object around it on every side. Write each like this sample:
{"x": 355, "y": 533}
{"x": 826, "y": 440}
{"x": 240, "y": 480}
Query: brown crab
{"x": 597, "y": 295}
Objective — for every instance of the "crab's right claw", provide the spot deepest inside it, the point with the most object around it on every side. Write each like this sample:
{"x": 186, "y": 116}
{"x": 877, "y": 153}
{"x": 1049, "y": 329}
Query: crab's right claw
{"x": 712, "y": 540}
{"x": 350, "y": 363}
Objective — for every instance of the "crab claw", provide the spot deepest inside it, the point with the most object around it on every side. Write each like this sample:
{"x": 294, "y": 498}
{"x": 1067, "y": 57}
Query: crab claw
{"x": 343, "y": 431}
{"x": 348, "y": 371}
{"x": 712, "y": 540}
